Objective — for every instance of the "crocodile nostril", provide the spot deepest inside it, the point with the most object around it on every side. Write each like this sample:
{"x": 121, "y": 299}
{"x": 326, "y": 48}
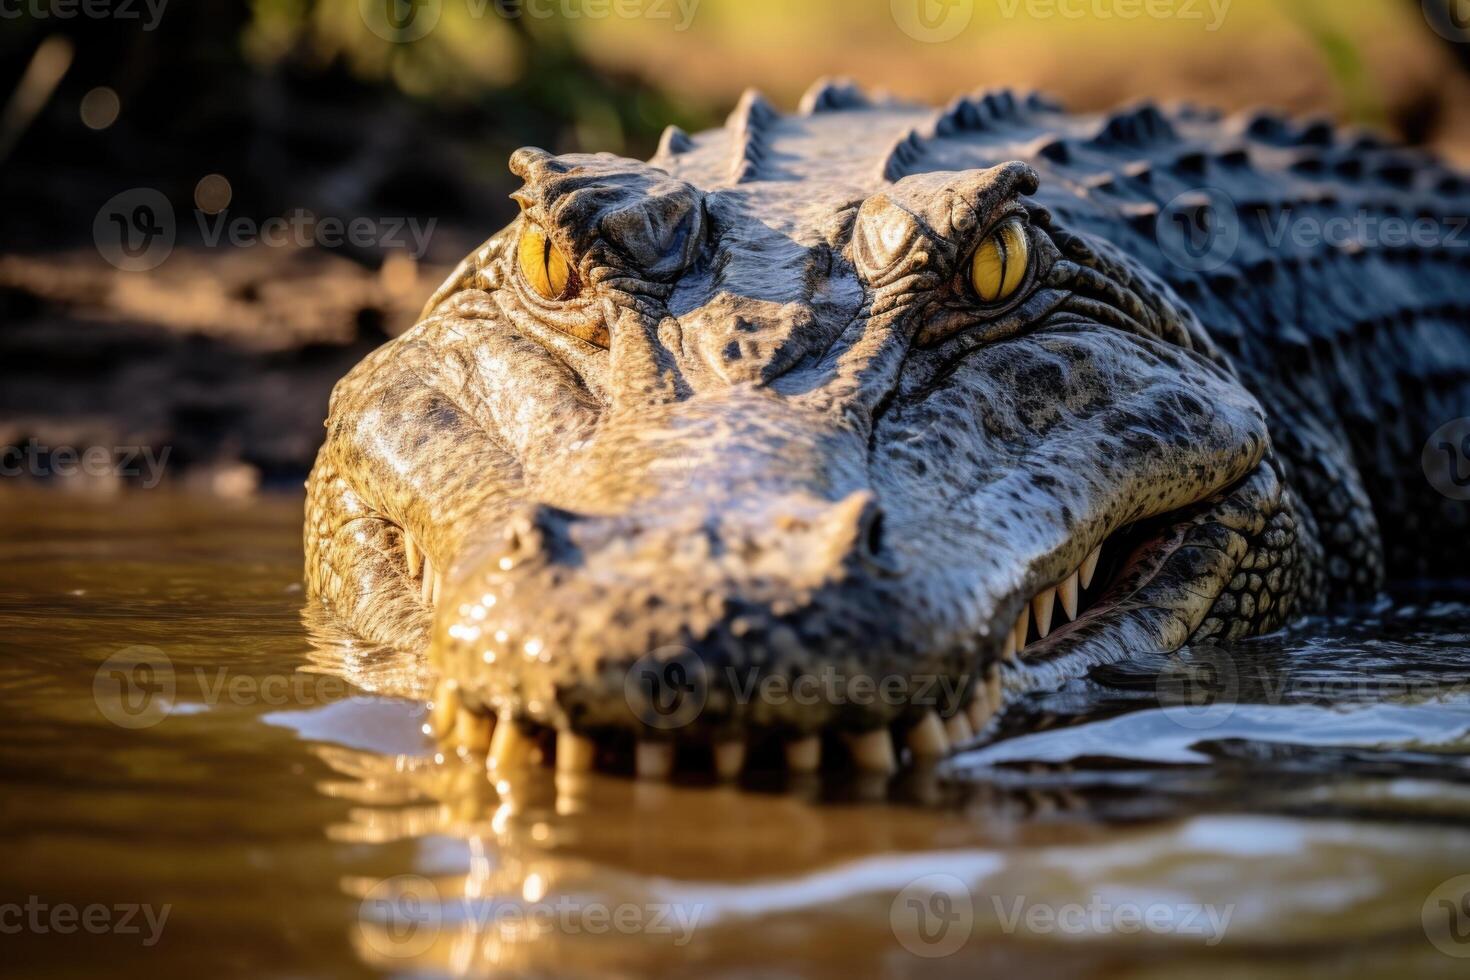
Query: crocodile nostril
{"x": 539, "y": 528}
{"x": 874, "y": 533}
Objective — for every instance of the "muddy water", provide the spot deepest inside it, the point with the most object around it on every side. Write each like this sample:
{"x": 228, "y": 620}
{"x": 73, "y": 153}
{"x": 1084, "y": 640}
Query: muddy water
{"x": 196, "y": 781}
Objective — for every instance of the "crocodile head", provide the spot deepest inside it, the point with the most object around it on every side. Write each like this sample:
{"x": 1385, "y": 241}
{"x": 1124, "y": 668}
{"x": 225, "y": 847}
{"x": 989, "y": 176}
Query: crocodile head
{"x": 809, "y": 447}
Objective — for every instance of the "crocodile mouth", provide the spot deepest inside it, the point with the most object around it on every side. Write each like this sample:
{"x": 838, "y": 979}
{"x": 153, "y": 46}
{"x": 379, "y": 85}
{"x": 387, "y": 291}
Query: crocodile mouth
{"x": 1146, "y": 588}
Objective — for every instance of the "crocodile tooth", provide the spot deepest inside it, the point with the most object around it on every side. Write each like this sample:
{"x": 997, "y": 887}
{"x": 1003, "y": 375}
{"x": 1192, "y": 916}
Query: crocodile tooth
{"x": 443, "y": 711}
{"x": 574, "y": 753}
{"x": 438, "y": 586}
{"x": 979, "y": 709}
{"x": 1042, "y": 606}
{"x": 571, "y": 793}
{"x": 427, "y": 589}
{"x": 1022, "y": 622}
{"x": 804, "y": 754}
{"x": 729, "y": 759}
{"x": 1009, "y": 653}
{"x": 472, "y": 731}
{"x": 927, "y": 739}
{"x": 1067, "y": 592}
{"x": 412, "y": 554}
{"x": 1089, "y": 566}
{"x": 872, "y": 751}
{"x": 509, "y": 747}
{"x": 653, "y": 760}
{"x": 957, "y": 727}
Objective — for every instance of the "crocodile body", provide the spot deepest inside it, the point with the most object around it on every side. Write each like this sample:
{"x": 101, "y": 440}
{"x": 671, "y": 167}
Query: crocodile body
{"x": 768, "y": 430}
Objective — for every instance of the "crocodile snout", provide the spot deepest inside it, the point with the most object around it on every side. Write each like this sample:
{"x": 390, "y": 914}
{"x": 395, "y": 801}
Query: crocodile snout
{"x": 761, "y": 616}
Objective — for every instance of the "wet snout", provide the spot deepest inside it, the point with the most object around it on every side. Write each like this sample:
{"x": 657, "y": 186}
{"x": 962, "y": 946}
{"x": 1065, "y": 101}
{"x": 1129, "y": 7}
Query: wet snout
{"x": 747, "y": 547}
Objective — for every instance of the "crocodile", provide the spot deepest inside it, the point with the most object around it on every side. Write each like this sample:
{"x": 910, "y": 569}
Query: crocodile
{"x": 819, "y": 437}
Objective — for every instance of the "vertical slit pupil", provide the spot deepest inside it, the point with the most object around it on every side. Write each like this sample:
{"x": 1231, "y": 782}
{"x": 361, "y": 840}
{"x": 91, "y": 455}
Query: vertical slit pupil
{"x": 1005, "y": 261}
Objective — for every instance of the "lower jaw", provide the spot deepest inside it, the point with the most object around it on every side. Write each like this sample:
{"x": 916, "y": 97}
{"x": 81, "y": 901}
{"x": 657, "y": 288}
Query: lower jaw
{"x": 1153, "y": 603}
{"x": 1166, "y": 588}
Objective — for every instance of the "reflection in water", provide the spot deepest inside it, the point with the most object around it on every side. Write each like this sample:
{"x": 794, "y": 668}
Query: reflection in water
{"x": 1298, "y": 803}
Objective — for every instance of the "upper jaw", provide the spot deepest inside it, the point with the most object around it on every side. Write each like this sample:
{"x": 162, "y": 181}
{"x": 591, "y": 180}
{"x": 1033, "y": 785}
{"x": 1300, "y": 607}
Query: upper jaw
{"x": 554, "y": 639}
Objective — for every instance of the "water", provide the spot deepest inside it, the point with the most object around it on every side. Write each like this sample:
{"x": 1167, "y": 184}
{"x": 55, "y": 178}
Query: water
{"x": 222, "y": 787}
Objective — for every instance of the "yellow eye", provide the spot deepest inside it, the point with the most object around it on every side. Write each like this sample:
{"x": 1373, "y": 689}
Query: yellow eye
{"x": 544, "y": 266}
{"x": 1000, "y": 263}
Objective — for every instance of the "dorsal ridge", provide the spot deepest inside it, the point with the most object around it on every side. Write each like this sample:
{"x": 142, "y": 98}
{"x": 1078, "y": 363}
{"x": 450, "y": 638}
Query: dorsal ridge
{"x": 833, "y": 95}
{"x": 995, "y": 111}
{"x": 749, "y": 126}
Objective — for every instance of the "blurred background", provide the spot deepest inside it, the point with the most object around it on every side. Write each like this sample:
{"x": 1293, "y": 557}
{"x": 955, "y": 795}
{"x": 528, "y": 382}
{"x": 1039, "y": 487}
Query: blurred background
{"x": 209, "y": 210}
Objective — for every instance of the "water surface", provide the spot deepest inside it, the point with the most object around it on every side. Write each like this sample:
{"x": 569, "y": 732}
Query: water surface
{"x": 179, "y": 741}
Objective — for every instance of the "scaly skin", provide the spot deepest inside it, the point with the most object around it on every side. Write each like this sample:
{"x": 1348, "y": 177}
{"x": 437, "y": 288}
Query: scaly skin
{"x": 807, "y": 448}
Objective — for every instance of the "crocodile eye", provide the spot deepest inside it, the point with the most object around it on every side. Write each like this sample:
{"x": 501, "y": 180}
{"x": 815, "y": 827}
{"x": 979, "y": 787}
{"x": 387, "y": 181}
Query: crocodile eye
{"x": 1000, "y": 263}
{"x": 545, "y": 268}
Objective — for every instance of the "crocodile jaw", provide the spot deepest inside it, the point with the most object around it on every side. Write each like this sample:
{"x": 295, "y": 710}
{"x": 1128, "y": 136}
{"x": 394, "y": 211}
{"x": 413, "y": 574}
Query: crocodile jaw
{"x": 733, "y": 543}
